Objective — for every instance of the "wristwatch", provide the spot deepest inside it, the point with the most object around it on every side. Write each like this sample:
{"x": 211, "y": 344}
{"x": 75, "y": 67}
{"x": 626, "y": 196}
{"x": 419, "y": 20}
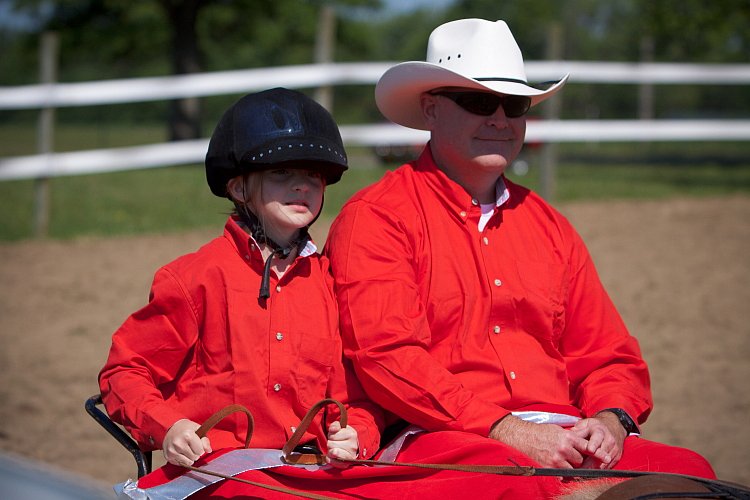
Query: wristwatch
{"x": 628, "y": 424}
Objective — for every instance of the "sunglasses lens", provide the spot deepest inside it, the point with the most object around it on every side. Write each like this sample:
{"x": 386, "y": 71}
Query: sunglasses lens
{"x": 479, "y": 103}
{"x": 485, "y": 104}
{"x": 516, "y": 105}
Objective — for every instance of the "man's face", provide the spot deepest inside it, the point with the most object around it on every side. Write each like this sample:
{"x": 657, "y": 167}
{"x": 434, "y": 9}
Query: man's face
{"x": 463, "y": 142}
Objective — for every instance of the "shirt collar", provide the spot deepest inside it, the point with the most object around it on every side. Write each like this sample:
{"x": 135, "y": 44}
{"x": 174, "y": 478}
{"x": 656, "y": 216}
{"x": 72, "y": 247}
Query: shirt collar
{"x": 454, "y": 196}
{"x": 242, "y": 239}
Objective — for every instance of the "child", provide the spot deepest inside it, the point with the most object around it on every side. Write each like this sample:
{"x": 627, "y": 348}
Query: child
{"x": 250, "y": 318}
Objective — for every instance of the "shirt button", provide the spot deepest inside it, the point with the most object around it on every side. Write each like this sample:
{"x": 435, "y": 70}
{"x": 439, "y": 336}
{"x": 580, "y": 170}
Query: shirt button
{"x": 278, "y": 288}
{"x": 277, "y": 387}
{"x": 462, "y": 214}
{"x": 474, "y": 202}
{"x": 498, "y": 283}
{"x": 496, "y": 329}
{"x": 486, "y": 240}
{"x": 279, "y": 336}
{"x": 513, "y": 375}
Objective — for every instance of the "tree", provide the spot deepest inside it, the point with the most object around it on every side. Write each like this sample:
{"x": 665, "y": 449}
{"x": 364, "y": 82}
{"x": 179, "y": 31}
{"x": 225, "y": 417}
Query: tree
{"x": 184, "y": 116}
{"x": 118, "y": 39}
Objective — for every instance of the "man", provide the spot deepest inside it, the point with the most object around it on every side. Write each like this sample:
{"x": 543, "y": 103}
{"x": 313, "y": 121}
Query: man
{"x": 467, "y": 302}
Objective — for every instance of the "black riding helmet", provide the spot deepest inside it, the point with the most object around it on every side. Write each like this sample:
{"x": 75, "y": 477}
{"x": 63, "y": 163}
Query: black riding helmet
{"x": 273, "y": 127}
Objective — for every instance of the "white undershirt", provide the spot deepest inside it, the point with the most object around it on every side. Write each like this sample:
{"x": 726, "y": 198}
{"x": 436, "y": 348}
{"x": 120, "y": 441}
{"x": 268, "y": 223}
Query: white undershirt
{"x": 502, "y": 194}
{"x": 487, "y": 210}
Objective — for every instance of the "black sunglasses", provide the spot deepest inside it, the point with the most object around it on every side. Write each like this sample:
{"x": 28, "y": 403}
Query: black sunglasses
{"x": 485, "y": 104}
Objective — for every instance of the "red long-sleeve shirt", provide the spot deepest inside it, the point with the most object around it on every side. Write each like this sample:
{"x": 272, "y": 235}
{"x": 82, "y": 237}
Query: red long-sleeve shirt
{"x": 451, "y": 328}
{"x": 205, "y": 341}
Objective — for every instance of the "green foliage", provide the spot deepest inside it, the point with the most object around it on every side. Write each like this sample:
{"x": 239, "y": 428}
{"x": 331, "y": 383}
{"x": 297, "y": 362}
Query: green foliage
{"x": 695, "y": 30}
{"x": 103, "y": 39}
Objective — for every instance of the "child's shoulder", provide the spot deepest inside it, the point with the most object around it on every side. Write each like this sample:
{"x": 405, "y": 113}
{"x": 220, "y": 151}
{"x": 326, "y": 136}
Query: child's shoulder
{"x": 213, "y": 251}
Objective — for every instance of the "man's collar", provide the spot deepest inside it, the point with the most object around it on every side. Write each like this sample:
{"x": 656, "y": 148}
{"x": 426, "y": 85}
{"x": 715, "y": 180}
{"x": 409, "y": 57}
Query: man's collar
{"x": 453, "y": 194}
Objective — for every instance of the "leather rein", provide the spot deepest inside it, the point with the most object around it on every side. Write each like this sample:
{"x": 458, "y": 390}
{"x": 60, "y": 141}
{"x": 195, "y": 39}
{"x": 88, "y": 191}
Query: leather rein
{"x": 292, "y": 457}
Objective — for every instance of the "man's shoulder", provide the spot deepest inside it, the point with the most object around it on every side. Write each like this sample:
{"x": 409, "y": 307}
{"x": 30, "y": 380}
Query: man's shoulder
{"x": 392, "y": 190}
{"x": 524, "y": 198}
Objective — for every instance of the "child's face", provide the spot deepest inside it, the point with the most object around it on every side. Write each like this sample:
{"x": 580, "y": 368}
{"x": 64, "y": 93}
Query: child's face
{"x": 291, "y": 199}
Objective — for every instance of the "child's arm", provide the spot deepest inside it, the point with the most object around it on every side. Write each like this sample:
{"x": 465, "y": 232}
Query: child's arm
{"x": 147, "y": 354}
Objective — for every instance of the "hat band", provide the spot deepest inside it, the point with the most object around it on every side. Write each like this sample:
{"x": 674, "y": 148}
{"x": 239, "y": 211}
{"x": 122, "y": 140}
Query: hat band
{"x": 513, "y": 80}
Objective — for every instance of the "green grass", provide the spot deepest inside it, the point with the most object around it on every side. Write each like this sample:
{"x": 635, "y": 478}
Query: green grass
{"x": 173, "y": 199}
{"x": 157, "y": 200}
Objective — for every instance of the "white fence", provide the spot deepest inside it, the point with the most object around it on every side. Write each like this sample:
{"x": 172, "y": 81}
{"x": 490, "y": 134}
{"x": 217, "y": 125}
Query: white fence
{"x": 317, "y": 75}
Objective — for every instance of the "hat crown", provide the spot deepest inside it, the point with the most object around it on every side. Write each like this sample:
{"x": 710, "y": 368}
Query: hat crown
{"x": 478, "y": 49}
{"x": 272, "y": 127}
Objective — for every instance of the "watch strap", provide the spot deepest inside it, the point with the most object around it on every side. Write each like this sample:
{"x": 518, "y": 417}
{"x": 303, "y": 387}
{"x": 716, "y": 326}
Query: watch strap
{"x": 627, "y": 422}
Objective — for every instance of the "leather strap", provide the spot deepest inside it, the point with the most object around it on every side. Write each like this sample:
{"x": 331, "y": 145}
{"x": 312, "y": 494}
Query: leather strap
{"x": 291, "y": 457}
{"x": 288, "y": 454}
{"x": 290, "y": 491}
{"x": 221, "y": 414}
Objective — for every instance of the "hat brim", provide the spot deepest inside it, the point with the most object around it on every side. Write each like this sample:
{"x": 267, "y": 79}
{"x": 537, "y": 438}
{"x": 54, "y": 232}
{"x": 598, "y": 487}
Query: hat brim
{"x": 397, "y": 93}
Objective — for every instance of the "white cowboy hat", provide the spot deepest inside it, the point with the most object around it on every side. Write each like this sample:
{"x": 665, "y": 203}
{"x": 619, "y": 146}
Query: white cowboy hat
{"x": 468, "y": 53}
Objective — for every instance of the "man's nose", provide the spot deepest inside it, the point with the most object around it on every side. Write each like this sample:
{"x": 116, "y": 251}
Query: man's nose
{"x": 498, "y": 118}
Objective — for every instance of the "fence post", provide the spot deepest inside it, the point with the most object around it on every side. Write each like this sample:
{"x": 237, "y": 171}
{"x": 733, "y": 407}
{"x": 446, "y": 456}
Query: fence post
{"x": 548, "y": 181}
{"x": 324, "y": 51}
{"x": 49, "y": 48}
{"x": 646, "y": 89}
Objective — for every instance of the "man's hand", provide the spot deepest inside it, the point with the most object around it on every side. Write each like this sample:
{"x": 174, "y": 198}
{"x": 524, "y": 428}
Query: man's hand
{"x": 342, "y": 443}
{"x": 548, "y": 444}
{"x": 182, "y": 446}
{"x": 605, "y": 435}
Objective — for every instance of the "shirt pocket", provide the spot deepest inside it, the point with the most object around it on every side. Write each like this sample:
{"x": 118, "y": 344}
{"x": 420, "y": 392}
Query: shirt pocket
{"x": 313, "y": 367}
{"x": 539, "y": 300}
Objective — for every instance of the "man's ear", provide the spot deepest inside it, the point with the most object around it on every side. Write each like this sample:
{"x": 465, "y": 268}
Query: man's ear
{"x": 428, "y": 102}
{"x": 236, "y": 188}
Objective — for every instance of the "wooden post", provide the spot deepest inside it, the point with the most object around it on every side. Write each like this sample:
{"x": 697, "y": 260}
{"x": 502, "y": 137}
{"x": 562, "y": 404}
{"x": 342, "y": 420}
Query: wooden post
{"x": 324, "y": 43}
{"x": 48, "y": 52}
{"x": 646, "y": 90}
{"x": 548, "y": 181}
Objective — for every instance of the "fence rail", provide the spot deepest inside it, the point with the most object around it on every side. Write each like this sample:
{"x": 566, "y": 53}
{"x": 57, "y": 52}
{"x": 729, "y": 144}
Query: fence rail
{"x": 193, "y": 151}
{"x": 53, "y": 95}
{"x": 316, "y": 75}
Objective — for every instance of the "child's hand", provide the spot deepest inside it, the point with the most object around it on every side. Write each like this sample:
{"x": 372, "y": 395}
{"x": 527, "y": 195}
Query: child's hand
{"x": 182, "y": 446}
{"x": 342, "y": 443}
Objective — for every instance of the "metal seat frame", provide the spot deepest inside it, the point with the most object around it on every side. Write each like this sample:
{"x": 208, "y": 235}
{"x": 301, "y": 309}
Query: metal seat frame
{"x": 142, "y": 458}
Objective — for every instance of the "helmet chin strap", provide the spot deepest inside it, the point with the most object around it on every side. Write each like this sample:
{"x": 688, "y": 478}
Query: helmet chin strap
{"x": 259, "y": 234}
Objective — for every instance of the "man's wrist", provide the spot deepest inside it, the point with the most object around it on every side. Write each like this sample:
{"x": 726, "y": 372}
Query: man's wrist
{"x": 626, "y": 420}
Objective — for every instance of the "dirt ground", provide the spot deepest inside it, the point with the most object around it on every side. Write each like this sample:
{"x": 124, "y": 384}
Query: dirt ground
{"x": 679, "y": 272}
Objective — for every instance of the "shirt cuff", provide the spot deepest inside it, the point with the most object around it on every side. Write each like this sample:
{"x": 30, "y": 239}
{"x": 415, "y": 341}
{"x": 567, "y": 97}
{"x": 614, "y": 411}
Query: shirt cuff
{"x": 156, "y": 422}
{"x": 479, "y": 417}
